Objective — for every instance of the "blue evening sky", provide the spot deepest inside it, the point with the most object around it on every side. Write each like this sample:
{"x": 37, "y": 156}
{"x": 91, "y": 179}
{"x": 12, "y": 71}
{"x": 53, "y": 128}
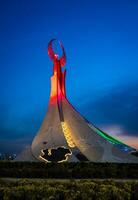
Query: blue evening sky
{"x": 101, "y": 43}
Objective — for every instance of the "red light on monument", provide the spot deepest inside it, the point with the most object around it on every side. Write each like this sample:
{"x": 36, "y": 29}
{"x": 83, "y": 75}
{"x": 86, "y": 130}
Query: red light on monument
{"x": 58, "y": 78}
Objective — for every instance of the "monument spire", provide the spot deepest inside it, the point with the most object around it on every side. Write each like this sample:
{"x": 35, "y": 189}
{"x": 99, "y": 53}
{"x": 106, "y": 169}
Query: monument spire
{"x": 58, "y": 90}
{"x": 67, "y": 136}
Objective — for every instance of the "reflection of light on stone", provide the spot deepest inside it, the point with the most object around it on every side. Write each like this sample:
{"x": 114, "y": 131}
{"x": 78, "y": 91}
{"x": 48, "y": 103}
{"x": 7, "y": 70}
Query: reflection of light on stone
{"x": 66, "y": 156}
{"x": 67, "y": 134}
{"x": 44, "y": 158}
{"x": 49, "y": 153}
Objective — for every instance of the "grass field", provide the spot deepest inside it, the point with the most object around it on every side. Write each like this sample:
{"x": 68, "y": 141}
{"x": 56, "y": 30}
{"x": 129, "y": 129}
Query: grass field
{"x": 69, "y": 181}
{"x": 11, "y": 189}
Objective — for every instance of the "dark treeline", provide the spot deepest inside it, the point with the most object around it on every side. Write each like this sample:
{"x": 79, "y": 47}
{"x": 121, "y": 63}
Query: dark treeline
{"x": 68, "y": 170}
{"x": 68, "y": 190}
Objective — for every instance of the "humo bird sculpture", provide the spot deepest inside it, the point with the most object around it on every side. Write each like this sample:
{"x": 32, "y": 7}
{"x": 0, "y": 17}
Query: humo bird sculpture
{"x": 67, "y": 136}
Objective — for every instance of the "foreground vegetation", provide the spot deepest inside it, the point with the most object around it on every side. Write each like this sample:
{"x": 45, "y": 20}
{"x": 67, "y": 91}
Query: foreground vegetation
{"x": 68, "y": 190}
{"x": 68, "y": 170}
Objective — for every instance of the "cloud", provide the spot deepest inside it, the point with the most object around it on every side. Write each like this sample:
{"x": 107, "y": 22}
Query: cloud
{"x": 114, "y": 129}
{"x": 118, "y": 106}
{"x": 121, "y": 134}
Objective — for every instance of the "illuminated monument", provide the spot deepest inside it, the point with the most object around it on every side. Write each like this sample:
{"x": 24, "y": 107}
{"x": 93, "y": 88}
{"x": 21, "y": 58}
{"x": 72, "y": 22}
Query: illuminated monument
{"x": 65, "y": 135}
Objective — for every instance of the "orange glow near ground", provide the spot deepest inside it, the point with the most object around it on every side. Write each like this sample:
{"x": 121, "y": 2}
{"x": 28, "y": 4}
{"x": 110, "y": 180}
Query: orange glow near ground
{"x": 130, "y": 140}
